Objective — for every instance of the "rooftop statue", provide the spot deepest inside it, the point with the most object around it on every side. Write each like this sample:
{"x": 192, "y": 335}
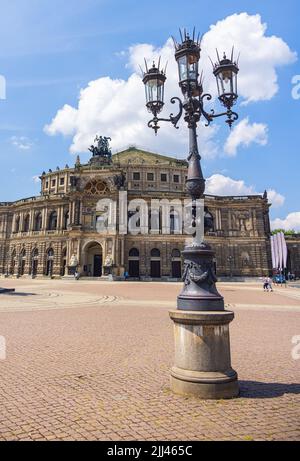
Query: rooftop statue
{"x": 102, "y": 148}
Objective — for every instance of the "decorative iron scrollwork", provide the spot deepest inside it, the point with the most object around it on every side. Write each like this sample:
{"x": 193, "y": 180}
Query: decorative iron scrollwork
{"x": 198, "y": 273}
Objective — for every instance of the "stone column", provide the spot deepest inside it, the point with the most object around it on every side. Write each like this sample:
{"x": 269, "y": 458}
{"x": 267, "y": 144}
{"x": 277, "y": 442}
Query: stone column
{"x": 45, "y": 218}
{"x": 31, "y": 223}
{"x": 202, "y": 355}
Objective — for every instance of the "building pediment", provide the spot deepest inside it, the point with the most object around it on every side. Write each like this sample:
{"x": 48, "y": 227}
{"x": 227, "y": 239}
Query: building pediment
{"x": 136, "y": 156}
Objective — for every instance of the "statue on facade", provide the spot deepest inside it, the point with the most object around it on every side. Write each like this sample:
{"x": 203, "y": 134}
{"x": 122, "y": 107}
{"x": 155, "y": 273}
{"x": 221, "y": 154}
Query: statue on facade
{"x": 73, "y": 261}
{"x": 108, "y": 261}
{"x": 119, "y": 180}
{"x": 101, "y": 149}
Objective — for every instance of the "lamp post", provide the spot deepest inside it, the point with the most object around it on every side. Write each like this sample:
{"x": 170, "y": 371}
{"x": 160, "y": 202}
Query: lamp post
{"x": 202, "y": 347}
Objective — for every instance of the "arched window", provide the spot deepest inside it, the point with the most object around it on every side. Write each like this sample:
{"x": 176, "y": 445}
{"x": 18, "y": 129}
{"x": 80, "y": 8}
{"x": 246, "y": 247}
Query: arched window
{"x": 22, "y": 262}
{"x": 38, "y": 222}
{"x": 134, "y": 263}
{"x": 176, "y": 263}
{"x": 52, "y": 221}
{"x": 50, "y": 253}
{"x": 176, "y": 253}
{"x": 34, "y": 261}
{"x": 49, "y": 262}
{"x": 63, "y": 262}
{"x": 26, "y": 223}
{"x": 13, "y": 262}
{"x": 134, "y": 252}
{"x": 17, "y": 224}
{"x": 155, "y": 263}
{"x": 155, "y": 253}
{"x": 66, "y": 220}
{"x": 208, "y": 221}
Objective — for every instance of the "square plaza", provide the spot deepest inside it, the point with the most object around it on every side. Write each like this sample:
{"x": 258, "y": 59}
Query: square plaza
{"x": 91, "y": 361}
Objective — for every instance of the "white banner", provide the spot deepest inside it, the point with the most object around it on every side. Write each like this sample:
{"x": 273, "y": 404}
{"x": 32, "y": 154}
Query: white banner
{"x": 280, "y": 262}
{"x": 279, "y": 251}
{"x": 284, "y": 250}
{"x": 273, "y": 252}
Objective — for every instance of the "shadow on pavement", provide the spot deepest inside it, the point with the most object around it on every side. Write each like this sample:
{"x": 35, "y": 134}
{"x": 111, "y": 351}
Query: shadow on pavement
{"x": 21, "y": 294}
{"x": 258, "y": 390}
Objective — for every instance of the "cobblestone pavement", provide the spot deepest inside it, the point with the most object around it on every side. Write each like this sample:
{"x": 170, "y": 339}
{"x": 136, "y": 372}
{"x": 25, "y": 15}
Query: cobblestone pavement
{"x": 91, "y": 360}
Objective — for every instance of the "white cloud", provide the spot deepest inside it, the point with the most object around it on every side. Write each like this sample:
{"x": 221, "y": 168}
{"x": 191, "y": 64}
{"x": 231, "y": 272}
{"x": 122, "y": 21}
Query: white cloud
{"x": 219, "y": 184}
{"x": 259, "y": 54}
{"x": 291, "y": 222}
{"x": 276, "y": 199}
{"x": 244, "y": 134}
{"x": 21, "y": 142}
{"x": 36, "y": 179}
{"x": 116, "y": 108}
{"x": 64, "y": 122}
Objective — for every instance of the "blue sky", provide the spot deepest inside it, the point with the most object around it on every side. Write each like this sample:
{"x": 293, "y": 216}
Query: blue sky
{"x": 49, "y": 50}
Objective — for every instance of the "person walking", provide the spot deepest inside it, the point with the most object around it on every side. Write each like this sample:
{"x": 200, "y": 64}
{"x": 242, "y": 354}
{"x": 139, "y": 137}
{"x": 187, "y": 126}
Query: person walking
{"x": 270, "y": 287}
{"x": 266, "y": 283}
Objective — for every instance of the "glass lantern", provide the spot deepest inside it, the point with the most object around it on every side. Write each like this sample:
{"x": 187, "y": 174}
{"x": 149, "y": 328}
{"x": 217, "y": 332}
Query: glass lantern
{"x": 226, "y": 72}
{"x": 187, "y": 56}
{"x": 154, "y": 81}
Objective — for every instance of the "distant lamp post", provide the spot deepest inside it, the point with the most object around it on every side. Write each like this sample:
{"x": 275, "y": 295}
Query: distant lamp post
{"x": 202, "y": 347}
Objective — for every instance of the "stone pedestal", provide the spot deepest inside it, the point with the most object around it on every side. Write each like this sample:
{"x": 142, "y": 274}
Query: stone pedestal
{"x": 202, "y": 355}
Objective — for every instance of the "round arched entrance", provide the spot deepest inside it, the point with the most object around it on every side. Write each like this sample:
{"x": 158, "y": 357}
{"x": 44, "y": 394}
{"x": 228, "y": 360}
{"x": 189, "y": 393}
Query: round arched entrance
{"x": 93, "y": 259}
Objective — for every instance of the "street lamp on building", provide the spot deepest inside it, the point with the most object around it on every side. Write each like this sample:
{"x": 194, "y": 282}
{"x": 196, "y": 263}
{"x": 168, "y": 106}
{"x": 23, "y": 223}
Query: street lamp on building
{"x": 202, "y": 349}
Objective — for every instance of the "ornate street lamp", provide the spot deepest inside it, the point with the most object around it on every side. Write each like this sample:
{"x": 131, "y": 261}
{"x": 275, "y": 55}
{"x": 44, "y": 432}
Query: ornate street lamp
{"x": 226, "y": 71}
{"x": 202, "y": 366}
{"x": 154, "y": 80}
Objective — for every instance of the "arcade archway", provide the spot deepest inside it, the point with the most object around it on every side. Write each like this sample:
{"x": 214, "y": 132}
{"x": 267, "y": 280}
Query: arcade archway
{"x": 93, "y": 260}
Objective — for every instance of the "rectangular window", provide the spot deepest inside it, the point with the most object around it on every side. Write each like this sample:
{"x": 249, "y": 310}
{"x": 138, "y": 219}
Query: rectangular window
{"x": 150, "y": 176}
{"x": 136, "y": 176}
{"x": 62, "y": 181}
{"x": 47, "y": 184}
{"x": 53, "y": 182}
{"x": 163, "y": 177}
{"x": 176, "y": 178}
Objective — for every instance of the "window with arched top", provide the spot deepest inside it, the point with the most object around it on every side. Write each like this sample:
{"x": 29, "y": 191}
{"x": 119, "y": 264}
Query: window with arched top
{"x": 34, "y": 262}
{"x": 52, "y": 221}
{"x": 50, "y": 253}
{"x": 66, "y": 220}
{"x": 63, "y": 262}
{"x": 155, "y": 263}
{"x": 208, "y": 221}
{"x": 22, "y": 261}
{"x": 49, "y": 262}
{"x": 134, "y": 263}
{"x": 155, "y": 253}
{"x": 38, "y": 221}
{"x": 26, "y": 223}
{"x": 17, "y": 224}
{"x": 134, "y": 252}
{"x": 13, "y": 261}
{"x": 176, "y": 264}
{"x": 176, "y": 253}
